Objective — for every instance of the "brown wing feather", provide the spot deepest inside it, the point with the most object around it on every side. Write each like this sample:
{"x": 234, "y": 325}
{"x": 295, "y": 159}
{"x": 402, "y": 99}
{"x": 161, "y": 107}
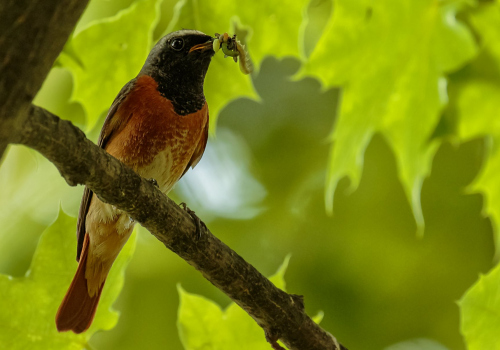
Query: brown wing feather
{"x": 111, "y": 126}
{"x": 200, "y": 148}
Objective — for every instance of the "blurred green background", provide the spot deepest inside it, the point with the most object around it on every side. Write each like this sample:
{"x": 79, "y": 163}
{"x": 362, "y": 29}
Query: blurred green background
{"x": 260, "y": 188}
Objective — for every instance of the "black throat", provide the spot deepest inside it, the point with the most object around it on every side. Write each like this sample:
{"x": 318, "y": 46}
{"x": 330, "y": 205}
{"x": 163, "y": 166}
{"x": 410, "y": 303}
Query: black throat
{"x": 181, "y": 85}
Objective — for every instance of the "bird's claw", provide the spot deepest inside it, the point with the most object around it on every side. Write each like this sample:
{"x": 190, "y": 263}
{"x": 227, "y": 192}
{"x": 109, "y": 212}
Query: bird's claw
{"x": 198, "y": 223}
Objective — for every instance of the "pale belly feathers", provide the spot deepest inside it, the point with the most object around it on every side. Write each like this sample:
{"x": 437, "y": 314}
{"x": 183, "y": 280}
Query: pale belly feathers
{"x": 161, "y": 169}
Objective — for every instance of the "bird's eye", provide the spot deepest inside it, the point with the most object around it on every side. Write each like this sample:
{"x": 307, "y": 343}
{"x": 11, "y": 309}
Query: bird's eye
{"x": 177, "y": 44}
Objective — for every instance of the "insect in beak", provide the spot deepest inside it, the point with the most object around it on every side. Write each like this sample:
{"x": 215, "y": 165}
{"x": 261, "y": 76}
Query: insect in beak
{"x": 202, "y": 47}
{"x": 233, "y": 48}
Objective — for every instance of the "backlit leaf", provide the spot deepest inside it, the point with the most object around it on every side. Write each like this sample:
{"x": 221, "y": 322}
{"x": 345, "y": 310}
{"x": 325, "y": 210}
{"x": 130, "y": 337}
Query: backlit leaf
{"x": 390, "y": 57}
{"x": 479, "y": 309}
{"x": 108, "y": 53}
{"x": 477, "y": 93}
{"x": 29, "y": 304}
{"x": 203, "y": 324}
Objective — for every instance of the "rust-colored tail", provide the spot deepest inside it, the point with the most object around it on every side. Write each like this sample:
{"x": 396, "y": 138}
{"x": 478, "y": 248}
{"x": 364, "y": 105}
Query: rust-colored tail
{"x": 77, "y": 309}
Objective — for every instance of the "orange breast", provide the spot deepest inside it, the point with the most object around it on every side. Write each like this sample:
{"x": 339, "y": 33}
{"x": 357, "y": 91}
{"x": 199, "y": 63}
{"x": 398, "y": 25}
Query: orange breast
{"x": 155, "y": 129}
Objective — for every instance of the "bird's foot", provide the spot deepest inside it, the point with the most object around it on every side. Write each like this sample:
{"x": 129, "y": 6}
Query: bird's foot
{"x": 198, "y": 223}
{"x": 154, "y": 182}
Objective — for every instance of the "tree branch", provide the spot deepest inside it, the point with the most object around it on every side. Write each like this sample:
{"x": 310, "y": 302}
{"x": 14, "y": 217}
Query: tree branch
{"x": 32, "y": 34}
{"x": 80, "y": 161}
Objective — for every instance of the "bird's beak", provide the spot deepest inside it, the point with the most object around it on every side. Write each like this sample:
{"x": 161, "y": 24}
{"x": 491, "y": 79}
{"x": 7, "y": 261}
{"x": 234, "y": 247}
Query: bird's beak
{"x": 203, "y": 47}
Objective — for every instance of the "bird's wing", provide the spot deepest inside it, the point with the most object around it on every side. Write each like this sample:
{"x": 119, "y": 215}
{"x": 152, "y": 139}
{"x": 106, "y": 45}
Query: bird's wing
{"x": 111, "y": 126}
{"x": 200, "y": 148}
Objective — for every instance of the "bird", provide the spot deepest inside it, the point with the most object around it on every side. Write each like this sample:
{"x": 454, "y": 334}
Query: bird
{"x": 158, "y": 126}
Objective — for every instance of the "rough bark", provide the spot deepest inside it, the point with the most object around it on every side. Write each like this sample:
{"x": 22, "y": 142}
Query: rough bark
{"x": 32, "y": 34}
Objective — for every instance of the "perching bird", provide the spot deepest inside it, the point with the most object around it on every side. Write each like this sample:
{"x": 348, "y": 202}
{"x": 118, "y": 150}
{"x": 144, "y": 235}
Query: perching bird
{"x": 158, "y": 126}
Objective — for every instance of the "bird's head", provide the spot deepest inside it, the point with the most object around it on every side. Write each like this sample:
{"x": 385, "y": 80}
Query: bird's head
{"x": 178, "y": 63}
{"x": 184, "y": 54}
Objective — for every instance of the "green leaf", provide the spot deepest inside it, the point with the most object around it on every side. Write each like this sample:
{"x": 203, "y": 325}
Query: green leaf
{"x": 107, "y": 54}
{"x": 30, "y": 303}
{"x": 390, "y": 58}
{"x": 203, "y": 324}
{"x": 273, "y": 28}
{"x": 480, "y": 316}
{"x": 55, "y": 96}
{"x": 477, "y": 93}
{"x": 278, "y": 278}
{"x": 267, "y": 28}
